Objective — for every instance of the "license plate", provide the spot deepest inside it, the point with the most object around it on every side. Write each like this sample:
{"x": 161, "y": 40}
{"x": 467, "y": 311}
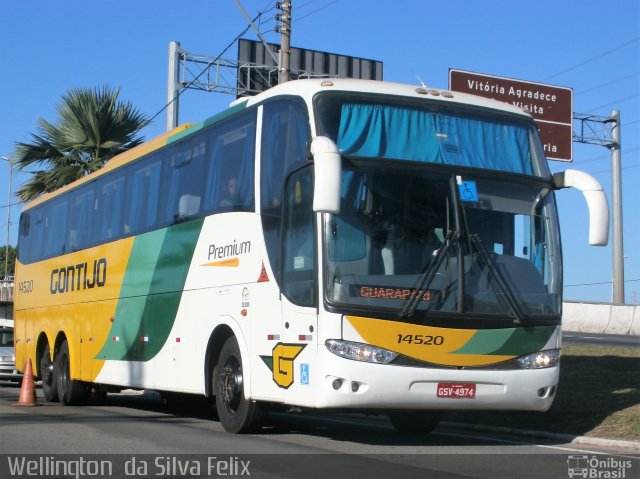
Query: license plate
{"x": 456, "y": 390}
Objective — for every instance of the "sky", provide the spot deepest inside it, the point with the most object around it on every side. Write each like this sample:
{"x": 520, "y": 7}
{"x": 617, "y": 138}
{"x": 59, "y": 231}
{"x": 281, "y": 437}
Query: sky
{"x": 593, "y": 47}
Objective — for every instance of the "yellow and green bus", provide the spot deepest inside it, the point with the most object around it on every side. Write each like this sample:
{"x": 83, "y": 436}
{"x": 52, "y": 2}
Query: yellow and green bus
{"x": 326, "y": 244}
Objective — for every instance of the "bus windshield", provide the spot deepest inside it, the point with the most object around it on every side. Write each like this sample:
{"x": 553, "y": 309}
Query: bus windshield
{"x": 422, "y": 132}
{"x": 406, "y": 236}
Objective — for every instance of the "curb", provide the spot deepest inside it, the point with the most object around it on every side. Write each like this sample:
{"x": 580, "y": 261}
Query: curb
{"x": 568, "y": 438}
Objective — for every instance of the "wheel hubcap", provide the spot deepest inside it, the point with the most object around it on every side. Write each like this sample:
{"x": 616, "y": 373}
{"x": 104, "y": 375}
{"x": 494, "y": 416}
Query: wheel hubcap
{"x": 231, "y": 384}
{"x": 47, "y": 371}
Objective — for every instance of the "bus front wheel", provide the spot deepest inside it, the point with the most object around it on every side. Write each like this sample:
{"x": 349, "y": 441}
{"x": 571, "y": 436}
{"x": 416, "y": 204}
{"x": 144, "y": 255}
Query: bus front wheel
{"x": 47, "y": 375}
{"x": 236, "y": 413}
{"x": 70, "y": 391}
{"x": 412, "y": 422}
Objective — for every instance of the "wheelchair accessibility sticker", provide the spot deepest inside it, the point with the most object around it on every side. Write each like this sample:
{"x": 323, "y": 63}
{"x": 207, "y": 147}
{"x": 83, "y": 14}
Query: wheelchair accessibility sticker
{"x": 304, "y": 374}
{"x": 468, "y": 191}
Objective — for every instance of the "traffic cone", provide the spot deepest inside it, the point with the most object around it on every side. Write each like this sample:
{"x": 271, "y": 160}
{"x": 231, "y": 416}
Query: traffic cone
{"x": 28, "y": 388}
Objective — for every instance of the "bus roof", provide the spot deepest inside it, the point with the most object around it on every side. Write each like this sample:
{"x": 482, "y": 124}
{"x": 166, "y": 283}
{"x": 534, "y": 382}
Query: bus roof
{"x": 308, "y": 88}
{"x": 305, "y": 89}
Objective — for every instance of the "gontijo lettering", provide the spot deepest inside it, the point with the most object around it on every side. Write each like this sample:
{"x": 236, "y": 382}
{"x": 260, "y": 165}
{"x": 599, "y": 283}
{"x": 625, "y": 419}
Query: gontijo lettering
{"x": 79, "y": 276}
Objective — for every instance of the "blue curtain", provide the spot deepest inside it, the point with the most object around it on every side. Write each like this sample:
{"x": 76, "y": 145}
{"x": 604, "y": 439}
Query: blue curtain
{"x": 419, "y": 135}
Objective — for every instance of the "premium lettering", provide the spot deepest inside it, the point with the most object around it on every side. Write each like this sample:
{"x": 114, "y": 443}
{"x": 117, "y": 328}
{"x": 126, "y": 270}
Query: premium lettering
{"x": 233, "y": 249}
{"x": 78, "y": 277}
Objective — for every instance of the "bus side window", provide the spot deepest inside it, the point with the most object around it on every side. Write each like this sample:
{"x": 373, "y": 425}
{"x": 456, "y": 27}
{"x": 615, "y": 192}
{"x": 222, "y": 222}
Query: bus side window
{"x": 82, "y": 204}
{"x": 109, "y": 209}
{"x": 285, "y": 139}
{"x": 231, "y": 159}
{"x": 185, "y": 179}
{"x": 144, "y": 196}
{"x": 55, "y": 226}
{"x": 299, "y": 245}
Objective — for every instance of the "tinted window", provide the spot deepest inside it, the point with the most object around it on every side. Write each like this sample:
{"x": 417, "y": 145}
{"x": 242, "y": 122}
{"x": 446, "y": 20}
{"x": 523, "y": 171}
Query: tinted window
{"x": 299, "y": 246}
{"x": 82, "y": 204}
{"x": 144, "y": 195}
{"x": 285, "y": 138}
{"x": 109, "y": 208}
{"x": 230, "y": 165}
{"x": 55, "y": 227}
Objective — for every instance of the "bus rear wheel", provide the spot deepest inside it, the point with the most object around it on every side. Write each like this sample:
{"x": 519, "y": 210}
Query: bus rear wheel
{"x": 236, "y": 414}
{"x": 70, "y": 391}
{"x": 47, "y": 375}
{"x": 412, "y": 422}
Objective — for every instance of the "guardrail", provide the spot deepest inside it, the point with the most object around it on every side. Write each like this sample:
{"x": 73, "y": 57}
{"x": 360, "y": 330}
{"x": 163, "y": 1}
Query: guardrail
{"x": 604, "y": 318}
{"x": 577, "y": 316}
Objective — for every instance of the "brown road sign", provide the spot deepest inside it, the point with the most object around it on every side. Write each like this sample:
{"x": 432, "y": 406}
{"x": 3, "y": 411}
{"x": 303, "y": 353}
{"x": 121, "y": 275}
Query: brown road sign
{"x": 550, "y": 106}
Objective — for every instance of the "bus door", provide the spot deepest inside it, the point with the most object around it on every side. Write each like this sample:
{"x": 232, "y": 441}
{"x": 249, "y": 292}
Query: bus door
{"x": 299, "y": 289}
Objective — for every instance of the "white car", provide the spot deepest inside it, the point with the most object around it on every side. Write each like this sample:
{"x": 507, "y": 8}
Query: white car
{"x": 8, "y": 371}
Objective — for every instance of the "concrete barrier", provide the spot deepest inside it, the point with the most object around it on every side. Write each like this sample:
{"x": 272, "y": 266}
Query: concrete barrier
{"x": 601, "y": 318}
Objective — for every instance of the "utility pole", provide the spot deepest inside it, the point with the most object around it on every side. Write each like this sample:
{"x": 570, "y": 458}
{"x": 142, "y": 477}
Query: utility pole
{"x": 616, "y": 196}
{"x": 605, "y": 131}
{"x": 285, "y": 42}
{"x": 173, "y": 85}
{"x": 6, "y": 248}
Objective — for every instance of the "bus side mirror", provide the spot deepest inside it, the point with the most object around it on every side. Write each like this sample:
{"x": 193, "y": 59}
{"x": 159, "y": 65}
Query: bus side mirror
{"x": 327, "y": 175}
{"x": 596, "y": 202}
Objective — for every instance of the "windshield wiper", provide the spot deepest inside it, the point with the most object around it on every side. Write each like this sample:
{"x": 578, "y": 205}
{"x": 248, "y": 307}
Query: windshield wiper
{"x": 498, "y": 278}
{"x": 427, "y": 276}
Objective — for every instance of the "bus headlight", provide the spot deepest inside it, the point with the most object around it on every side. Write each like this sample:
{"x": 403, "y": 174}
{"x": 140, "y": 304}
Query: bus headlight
{"x": 360, "y": 351}
{"x": 540, "y": 360}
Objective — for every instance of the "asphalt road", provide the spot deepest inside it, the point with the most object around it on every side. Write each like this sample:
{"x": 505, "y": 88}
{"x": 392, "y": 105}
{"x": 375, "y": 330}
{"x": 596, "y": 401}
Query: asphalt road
{"x": 137, "y": 435}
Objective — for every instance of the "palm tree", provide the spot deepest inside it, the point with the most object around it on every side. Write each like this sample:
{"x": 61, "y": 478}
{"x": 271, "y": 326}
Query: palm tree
{"x": 93, "y": 127}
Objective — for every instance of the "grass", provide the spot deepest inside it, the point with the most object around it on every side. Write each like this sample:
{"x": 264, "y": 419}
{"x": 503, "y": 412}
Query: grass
{"x": 598, "y": 395}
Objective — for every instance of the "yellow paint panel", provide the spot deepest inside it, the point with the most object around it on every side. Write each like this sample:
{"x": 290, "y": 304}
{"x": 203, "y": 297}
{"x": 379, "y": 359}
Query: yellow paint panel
{"x": 94, "y": 274}
{"x": 425, "y": 343}
{"x": 82, "y": 306}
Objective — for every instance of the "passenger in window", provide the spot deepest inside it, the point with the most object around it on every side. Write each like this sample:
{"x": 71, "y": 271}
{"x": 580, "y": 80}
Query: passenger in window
{"x": 232, "y": 199}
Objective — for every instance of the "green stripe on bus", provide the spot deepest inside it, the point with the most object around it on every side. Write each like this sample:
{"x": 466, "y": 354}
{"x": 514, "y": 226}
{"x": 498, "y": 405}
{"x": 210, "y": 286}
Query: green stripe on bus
{"x": 224, "y": 114}
{"x": 186, "y": 132}
{"x": 508, "y": 342}
{"x": 526, "y": 340}
{"x": 151, "y": 292}
{"x": 208, "y": 122}
{"x": 136, "y": 285}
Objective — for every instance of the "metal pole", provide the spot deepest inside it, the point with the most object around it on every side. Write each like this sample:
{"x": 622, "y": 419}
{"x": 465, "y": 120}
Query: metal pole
{"x": 173, "y": 86}
{"x": 285, "y": 42}
{"x": 6, "y": 253}
{"x": 616, "y": 194}
{"x": 6, "y": 248}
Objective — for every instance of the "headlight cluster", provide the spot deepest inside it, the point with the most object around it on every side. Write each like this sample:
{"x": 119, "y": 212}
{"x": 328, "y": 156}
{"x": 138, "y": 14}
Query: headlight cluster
{"x": 540, "y": 360}
{"x": 360, "y": 351}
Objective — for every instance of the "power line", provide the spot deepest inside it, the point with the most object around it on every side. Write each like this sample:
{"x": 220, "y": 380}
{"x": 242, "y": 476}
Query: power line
{"x": 599, "y": 283}
{"x": 316, "y": 10}
{"x": 603, "y": 157}
{"x": 614, "y": 102}
{"x": 609, "y": 170}
{"x": 589, "y": 60}
{"x": 610, "y": 82}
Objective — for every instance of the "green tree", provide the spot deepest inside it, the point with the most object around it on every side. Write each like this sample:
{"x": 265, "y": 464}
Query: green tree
{"x": 93, "y": 127}
{"x": 11, "y": 265}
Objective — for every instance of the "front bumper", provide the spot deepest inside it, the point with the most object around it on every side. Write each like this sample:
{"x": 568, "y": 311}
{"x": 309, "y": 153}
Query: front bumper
{"x": 377, "y": 386}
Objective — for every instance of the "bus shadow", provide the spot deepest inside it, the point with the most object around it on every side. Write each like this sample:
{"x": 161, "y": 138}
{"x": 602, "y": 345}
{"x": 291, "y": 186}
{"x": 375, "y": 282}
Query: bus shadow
{"x": 595, "y": 395}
